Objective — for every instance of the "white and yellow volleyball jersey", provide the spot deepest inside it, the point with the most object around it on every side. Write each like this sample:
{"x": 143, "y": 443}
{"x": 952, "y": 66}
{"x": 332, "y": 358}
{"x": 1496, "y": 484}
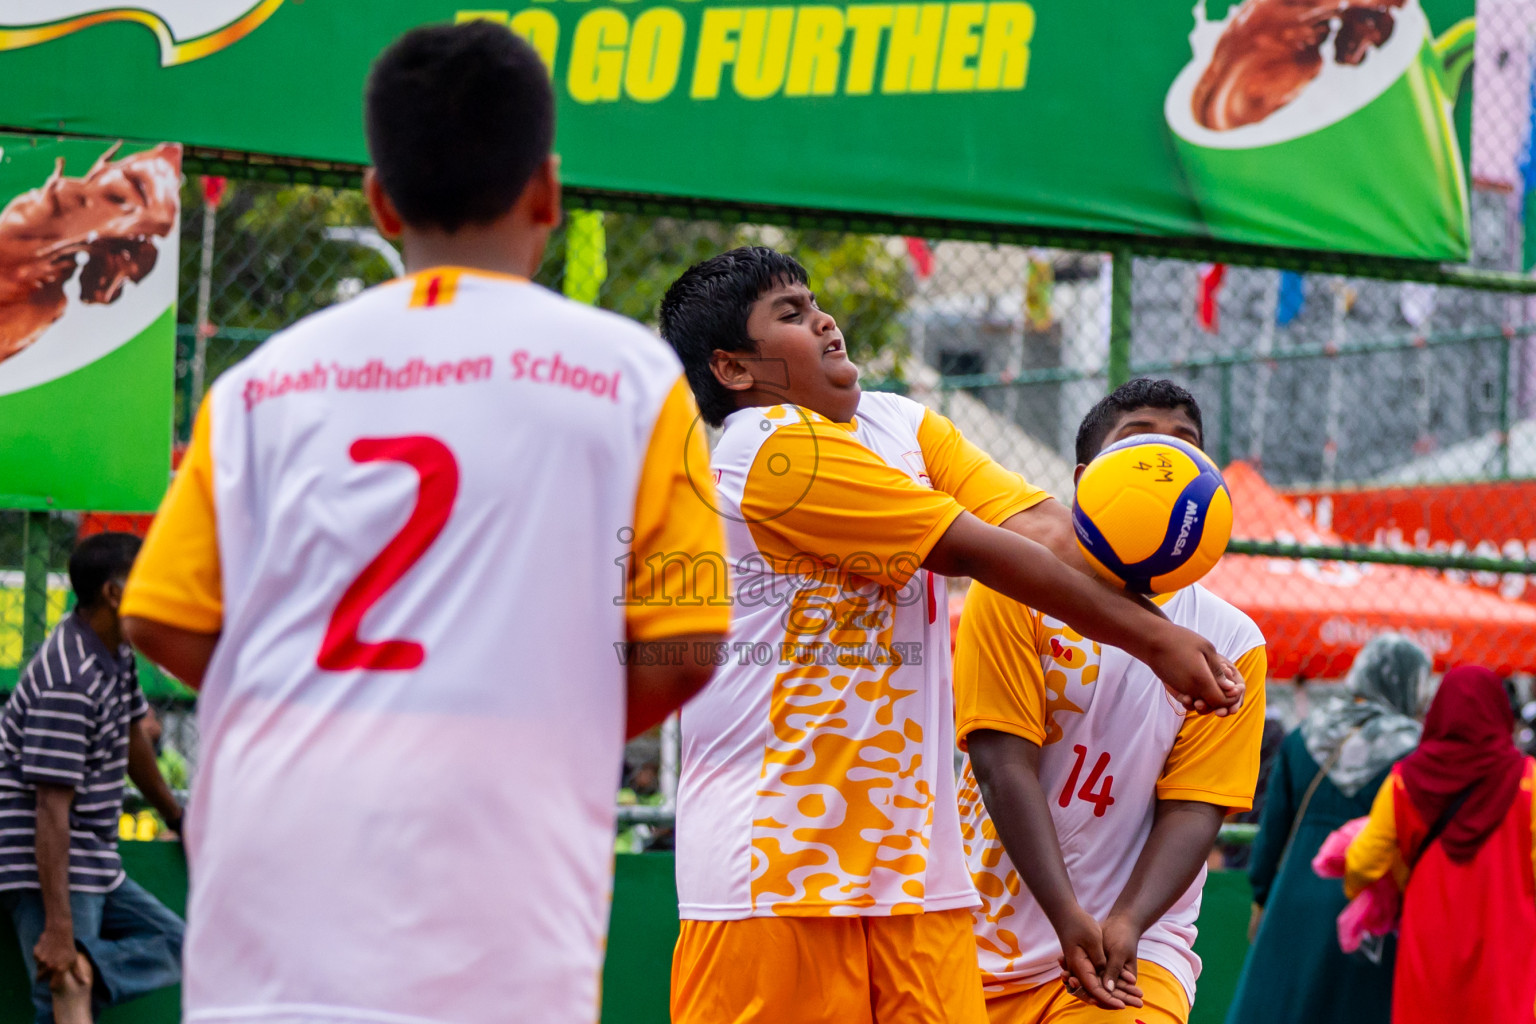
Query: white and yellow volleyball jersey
{"x": 414, "y": 519}
{"x": 1113, "y": 742}
{"x": 817, "y": 774}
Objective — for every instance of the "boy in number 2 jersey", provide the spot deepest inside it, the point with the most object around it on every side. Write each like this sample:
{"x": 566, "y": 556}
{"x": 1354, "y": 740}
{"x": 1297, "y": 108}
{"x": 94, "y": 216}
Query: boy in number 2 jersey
{"x": 388, "y": 558}
{"x": 820, "y": 870}
{"x": 1101, "y": 794}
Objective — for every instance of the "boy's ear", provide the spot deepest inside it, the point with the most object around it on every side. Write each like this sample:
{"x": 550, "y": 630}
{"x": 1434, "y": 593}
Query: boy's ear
{"x": 385, "y": 216}
{"x": 541, "y": 197}
{"x": 1077, "y": 474}
{"x": 731, "y": 370}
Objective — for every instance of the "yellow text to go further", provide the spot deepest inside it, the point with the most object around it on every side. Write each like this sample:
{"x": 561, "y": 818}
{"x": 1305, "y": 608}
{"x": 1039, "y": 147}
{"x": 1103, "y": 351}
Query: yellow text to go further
{"x": 759, "y": 53}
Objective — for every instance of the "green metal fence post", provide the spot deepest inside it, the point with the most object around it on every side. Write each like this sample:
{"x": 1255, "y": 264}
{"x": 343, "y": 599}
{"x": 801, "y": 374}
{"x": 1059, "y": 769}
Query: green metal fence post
{"x": 186, "y": 412}
{"x": 34, "y": 587}
{"x": 1224, "y": 446}
{"x": 1505, "y": 379}
{"x": 1120, "y": 317}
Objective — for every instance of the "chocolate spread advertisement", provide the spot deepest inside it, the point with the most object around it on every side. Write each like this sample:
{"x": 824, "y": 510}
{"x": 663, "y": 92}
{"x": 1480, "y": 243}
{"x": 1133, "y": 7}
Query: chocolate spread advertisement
{"x": 89, "y": 236}
{"x": 1317, "y": 124}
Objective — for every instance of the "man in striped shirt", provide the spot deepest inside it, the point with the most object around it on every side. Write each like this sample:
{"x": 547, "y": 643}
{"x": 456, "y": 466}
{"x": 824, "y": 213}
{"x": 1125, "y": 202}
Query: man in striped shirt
{"x": 76, "y": 722}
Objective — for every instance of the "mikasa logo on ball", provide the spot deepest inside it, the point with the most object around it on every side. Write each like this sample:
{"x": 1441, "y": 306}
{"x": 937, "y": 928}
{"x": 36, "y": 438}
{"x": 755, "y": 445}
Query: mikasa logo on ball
{"x": 1152, "y": 512}
{"x": 1191, "y": 513}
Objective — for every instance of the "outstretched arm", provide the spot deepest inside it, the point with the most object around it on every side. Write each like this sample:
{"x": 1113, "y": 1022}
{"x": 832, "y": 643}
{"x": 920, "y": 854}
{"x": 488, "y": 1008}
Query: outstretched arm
{"x": 1025, "y": 571}
{"x": 1007, "y": 771}
{"x": 996, "y": 495}
{"x": 1049, "y": 524}
{"x": 819, "y": 496}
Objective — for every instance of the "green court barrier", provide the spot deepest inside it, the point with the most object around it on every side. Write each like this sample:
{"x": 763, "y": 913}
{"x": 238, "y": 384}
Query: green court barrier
{"x": 1222, "y": 944}
{"x": 644, "y": 929}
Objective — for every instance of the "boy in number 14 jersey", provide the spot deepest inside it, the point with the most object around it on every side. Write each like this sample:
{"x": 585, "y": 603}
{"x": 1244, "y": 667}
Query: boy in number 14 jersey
{"x": 819, "y": 863}
{"x": 394, "y": 536}
{"x": 1104, "y": 796}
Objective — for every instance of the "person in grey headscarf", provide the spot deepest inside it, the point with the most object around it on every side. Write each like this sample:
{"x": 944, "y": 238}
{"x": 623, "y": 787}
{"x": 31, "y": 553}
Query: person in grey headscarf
{"x": 1370, "y": 726}
{"x": 1326, "y": 773}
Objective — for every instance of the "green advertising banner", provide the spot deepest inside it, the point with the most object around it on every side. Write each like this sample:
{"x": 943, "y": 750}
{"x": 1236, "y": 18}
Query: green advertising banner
{"x": 1317, "y": 124}
{"x": 88, "y": 261}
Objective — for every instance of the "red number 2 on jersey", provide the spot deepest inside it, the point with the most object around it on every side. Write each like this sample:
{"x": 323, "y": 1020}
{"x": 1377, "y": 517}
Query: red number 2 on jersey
{"x": 342, "y": 649}
{"x": 1100, "y": 800}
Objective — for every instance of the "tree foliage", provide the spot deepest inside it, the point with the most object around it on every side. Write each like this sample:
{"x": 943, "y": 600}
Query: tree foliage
{"x": 273, "y": 264}
{"x": 857, "y": 278}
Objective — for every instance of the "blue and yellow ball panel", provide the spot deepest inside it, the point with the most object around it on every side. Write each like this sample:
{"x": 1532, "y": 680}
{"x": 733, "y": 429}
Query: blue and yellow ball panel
{"x": 1152, "y": 513}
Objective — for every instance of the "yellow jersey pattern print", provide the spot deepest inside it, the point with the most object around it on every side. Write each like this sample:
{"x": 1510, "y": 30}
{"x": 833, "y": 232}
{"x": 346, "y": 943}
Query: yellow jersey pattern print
{"x": 841, "y": 803}
{"x": 1112, "y": 744}
{"x": 1069, "y": 667}
{"x": 817, "y": 767}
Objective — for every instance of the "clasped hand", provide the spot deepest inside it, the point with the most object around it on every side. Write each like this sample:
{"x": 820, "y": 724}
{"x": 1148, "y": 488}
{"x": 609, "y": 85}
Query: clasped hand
{"x": 1098, "y": 961}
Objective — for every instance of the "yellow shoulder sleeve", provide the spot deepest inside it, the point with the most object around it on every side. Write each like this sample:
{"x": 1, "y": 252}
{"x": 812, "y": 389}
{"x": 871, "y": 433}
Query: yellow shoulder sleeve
{"x": 679, "y": 578}
{"x": 1216, "y": 760}
{"x": 177, "y": 578}
{"x": 815, "y": 496}
{"x": 999, "y": 681}
{"x": 1374, "y": 851}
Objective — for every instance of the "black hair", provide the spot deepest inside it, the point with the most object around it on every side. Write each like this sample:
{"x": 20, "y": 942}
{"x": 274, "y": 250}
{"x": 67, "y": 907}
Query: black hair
{"x": 97, "y": 560}
{"x": 458, "y": 119}
{"x": 707, "y": 307}
{"x": 1141, "y": 393}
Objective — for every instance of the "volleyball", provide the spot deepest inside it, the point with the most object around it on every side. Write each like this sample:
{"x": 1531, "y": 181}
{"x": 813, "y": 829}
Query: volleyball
{"x": 1152, "y": 513}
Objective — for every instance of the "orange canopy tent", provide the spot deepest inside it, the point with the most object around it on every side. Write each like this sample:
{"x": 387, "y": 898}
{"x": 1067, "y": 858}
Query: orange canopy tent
{"x": 1492, "y": 518}
{"x": 1317, "y": 615}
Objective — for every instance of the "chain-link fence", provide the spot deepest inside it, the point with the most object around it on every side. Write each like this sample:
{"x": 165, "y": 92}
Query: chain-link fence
{"x": 1348, "y": 410}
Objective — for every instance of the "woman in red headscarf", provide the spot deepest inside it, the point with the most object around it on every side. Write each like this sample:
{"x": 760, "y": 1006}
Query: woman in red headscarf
{"x": 1454, "y": 824}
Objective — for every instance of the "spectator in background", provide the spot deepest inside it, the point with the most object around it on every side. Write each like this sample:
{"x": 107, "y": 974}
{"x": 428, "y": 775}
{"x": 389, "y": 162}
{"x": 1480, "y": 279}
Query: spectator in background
{"x": 643, "y": 789}
{"x": 1525, "y": 737}
{"x": 1236, "y": 856}
{"x": 173, "y": 764}
{"x": 1467, "y": 945}
{"x": 1327, "y": 772}
{"x": 90, "y": 935}
{"x": 145, "y": 824}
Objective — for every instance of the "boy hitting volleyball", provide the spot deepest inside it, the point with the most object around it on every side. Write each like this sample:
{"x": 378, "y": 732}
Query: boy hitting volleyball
{"x": 1087, "y": 783}
{"x": 820, "y": 869}
{"x": 389, "y": 560}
